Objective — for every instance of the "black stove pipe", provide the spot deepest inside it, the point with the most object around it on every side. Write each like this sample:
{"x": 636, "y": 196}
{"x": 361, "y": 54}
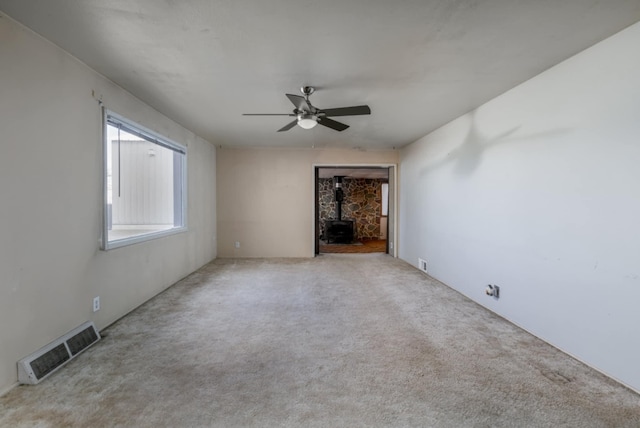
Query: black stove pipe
{"x": 339, "y": 193}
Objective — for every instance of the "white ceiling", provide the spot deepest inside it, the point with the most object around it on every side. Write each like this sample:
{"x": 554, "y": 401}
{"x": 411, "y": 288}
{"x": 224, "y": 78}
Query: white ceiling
{"x": 417, "y": 63}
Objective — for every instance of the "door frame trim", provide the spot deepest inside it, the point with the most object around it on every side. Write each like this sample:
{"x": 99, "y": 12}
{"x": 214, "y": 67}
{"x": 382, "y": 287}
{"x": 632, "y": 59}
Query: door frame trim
{"x": 393, "y": 205}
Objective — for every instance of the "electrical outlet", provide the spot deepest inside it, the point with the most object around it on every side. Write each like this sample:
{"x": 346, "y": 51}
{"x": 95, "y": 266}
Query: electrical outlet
{"x": 237, "y": 244}
{"x": 493, "y": 291}
{"x": 96, "y": 304}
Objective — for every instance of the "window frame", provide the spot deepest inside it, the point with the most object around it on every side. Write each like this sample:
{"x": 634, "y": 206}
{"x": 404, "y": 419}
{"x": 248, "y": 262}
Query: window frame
{"x": 152, "y": 137}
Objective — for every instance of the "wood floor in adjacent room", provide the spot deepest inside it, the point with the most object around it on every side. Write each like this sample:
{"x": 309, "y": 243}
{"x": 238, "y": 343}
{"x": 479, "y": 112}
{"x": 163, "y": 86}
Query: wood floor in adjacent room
{"x": 337, "y": 340}
{"x": 364, "y": 246}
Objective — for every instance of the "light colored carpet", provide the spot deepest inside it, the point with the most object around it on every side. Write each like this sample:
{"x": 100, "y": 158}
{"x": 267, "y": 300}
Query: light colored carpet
{"x": 338, "y": 340}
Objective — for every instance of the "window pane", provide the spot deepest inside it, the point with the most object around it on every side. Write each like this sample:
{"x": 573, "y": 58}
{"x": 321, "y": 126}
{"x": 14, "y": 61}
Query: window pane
{"x": 385, "y": 199}
{"x": 144, "y": 184}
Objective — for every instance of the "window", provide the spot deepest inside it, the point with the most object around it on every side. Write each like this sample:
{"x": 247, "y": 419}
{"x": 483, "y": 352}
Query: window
{"x": 385, "y": 199}
{"x": 145, "y": 185}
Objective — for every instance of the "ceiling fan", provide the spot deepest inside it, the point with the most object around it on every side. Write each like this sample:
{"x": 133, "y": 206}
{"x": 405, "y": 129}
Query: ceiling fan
{"x": 308, "y": 116}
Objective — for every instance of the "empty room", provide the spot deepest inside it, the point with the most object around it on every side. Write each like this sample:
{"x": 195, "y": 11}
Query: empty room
{"x": 337, "y": 213}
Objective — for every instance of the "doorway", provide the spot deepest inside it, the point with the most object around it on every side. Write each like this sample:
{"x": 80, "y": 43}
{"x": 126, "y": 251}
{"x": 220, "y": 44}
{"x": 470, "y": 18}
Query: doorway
{"x": 353, "y": 209}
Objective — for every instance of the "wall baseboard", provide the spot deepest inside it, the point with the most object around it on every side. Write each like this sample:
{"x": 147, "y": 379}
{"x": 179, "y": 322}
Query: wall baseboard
{"x": 8, "y": 389}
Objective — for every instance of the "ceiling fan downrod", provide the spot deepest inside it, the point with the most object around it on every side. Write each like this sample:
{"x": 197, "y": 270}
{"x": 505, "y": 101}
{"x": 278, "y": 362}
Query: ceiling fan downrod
{"x": 306, "y": 91}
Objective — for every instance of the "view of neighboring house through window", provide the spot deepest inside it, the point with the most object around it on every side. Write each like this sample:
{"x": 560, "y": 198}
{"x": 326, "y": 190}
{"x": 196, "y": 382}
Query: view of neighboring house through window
{"x": 145, "y": 184}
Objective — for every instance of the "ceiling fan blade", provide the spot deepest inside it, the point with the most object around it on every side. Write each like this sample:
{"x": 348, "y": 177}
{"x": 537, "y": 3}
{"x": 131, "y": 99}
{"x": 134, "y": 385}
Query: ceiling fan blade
{"x": 288, "y": 126}
{"x": 347, "y": 111}
{"x": 330, "y": 123}
{"x": 268, "y": 114}
{"x": 300, "y": 102}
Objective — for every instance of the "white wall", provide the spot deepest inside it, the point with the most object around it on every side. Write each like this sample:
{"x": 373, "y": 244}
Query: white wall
{"x": 51, "y": 201}
{"x": 538, "y": 191}
{"x": 266, "y": 197}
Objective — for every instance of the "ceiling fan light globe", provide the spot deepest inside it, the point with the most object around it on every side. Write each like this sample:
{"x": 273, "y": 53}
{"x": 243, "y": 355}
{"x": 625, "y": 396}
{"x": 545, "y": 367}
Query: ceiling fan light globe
{"x": 307, "y": 121}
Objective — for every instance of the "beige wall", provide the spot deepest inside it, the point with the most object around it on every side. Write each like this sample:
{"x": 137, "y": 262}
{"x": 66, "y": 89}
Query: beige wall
{"x": 266, "y": 197}
{"x": 51, "y": 201}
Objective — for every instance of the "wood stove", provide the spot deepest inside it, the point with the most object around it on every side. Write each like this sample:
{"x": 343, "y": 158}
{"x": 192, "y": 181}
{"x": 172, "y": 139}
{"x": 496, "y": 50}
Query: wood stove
{"x": 339, "y": 230}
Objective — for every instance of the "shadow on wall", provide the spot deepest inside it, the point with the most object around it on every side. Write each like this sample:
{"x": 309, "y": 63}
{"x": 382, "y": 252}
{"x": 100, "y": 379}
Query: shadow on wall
{"x": 468, "y": 154}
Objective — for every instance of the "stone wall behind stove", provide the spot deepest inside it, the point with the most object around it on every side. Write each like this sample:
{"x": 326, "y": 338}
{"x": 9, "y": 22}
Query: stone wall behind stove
{"x": 362, "y": 203}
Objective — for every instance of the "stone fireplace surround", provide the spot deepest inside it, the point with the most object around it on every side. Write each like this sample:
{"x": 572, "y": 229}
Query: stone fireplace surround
{"x": 362, "y": 203}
